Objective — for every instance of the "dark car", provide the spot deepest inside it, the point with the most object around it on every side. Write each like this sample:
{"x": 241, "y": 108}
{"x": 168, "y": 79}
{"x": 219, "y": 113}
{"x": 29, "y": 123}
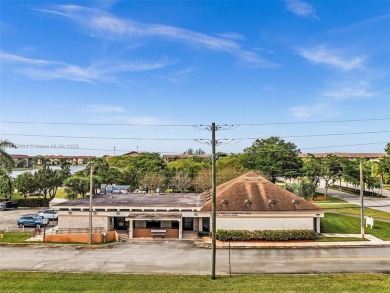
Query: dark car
{"x": 8, "y": 205}
{"x": 32, "y": 221}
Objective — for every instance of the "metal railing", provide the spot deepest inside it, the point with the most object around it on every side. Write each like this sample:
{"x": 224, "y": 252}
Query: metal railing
{"x": 79, "y": 230}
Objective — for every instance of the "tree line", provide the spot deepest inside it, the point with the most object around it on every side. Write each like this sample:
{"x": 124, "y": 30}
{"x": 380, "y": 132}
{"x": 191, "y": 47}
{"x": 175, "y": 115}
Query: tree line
{"x": 273, "y": 158}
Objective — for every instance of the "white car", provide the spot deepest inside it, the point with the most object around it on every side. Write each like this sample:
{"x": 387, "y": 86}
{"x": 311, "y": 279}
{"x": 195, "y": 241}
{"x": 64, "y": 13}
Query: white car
{"x": 49, "y": 214}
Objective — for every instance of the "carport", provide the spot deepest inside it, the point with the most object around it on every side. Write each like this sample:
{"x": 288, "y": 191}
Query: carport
{"x": 167, "y": 225}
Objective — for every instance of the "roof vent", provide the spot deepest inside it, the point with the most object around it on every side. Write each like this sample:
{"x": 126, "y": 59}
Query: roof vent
{"x": 248, "y": 201}
{"x": 272, "y": 201}
{"x": 295, "y": 201}
{"x": 224, "y": 201}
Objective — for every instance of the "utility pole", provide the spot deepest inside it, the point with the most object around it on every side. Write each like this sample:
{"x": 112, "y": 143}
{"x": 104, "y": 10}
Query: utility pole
{"x": 114, "y": 151}
{"x": 90, "y": 207}
{"x": 361, "y": 201}
{"x": 214, "y": 198}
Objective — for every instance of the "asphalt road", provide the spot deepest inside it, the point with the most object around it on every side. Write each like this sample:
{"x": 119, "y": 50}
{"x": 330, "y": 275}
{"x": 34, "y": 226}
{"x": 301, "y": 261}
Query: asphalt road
{"x": 378, "y": 203}
{"x": 181, "y": 257}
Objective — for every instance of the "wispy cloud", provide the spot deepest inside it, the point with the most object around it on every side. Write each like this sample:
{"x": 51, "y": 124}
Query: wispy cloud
{"x": 102, "y": 109}
{"x": 318, "y": 110}
{"x": 107, "y": 25}
{"x": 360, "y": 89}
{"x": 98, "y": 71}
{"x": 323, "y": 55}
{"x": 301, "y": 8}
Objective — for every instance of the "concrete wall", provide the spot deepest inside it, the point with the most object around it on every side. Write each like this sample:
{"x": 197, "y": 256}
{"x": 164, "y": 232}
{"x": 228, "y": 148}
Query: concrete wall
{"x": 146, "y": 233}
{"x": 82, "y": 237}
{"x": 82, "y": 221}
{"x": 253, "y": 223}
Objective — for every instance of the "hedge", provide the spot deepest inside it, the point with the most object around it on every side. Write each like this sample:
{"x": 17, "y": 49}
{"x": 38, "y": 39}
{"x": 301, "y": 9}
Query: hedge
{"x": 32, "y": 202}
{"x": 268, "y": 235}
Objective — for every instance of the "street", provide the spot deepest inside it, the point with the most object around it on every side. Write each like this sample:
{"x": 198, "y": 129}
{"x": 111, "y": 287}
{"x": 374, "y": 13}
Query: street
{"x": 181, "y": 257}
{"x": 378, "y": 203}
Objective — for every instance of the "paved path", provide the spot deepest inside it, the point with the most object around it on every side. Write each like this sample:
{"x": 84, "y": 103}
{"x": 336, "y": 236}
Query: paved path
{"x": 379, "y": 203}
{"x": 180, "y": 257}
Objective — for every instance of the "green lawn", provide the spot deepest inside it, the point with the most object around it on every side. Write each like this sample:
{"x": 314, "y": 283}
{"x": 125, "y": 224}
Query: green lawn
{"x": 335, "y": 223}
{"x": 15, "y": 237}
{"x": 77, "y": 282}
{"x": 354, "y": 209}
{"x": 338, "y": 239}
{"x": 386, "y": 186}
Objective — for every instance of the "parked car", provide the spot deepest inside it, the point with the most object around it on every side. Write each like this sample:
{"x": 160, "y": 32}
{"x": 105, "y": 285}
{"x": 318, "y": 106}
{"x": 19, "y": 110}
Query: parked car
{"x": 32, "y": 221}
{"x": 8, "y": 205}
{"x": 49, "y": 214}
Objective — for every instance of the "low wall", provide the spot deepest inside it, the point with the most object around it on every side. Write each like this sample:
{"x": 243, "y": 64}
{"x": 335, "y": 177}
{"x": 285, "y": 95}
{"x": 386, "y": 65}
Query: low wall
{"x": 81, "y": 237}
{"x": 146, "y": 233}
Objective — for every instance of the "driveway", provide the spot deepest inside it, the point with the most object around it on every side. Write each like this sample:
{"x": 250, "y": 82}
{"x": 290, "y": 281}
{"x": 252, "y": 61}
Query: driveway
{"x": 181, "y": 257}
{"x": 10, "y": 218}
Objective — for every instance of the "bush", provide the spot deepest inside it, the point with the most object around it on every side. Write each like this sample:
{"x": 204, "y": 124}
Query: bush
{"x": 32, "y": 202}
{"x": 203, "y": 234}
{"x": 268, "y": 235}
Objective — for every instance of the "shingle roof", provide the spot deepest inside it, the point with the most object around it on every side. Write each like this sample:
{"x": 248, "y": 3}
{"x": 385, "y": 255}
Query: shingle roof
{"x": 148, "y": 200}
{"x": 251, "y": 192}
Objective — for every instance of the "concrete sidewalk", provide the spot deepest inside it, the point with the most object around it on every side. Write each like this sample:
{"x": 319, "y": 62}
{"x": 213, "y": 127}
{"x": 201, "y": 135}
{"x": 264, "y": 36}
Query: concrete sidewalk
{"x": 371, "y": 242}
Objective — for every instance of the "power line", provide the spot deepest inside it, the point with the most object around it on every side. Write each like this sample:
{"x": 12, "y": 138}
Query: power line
{"x": 314, "y": 135}
{"x": 191, "y": 139}
{"x": 192, "y": 125}
{"x": 311, "y": 122}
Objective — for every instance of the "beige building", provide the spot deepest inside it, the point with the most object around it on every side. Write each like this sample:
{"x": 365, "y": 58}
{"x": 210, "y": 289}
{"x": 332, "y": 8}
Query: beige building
{"x": 248, "y": 202}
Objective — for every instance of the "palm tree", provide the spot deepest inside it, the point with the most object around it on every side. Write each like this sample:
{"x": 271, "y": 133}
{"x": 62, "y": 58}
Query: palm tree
{"x": 5, "y": 158}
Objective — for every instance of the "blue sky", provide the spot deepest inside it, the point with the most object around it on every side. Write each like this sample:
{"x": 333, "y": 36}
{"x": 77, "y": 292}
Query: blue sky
{"x": 194, "y": 62}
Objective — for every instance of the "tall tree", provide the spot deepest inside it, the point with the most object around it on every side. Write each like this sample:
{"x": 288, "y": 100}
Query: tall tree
{"x": 387, "y": 149}
{"x": 5, "y": 158}
{"x": 273, "y": 157}
{"x": 153, "y": 181}
{"x": 25, "y": 184}
{"x": 75, "y": 186}
{"x": 6, "y": 184}
{"x": 181, "y": 181}
{"x": 202, "y": 181}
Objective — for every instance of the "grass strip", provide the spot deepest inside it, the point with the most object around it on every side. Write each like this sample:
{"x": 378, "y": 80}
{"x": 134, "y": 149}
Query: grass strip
{"x": 354, "y": 209}
{"x": 15, "y": 237}
{"x": 81, "y": 282}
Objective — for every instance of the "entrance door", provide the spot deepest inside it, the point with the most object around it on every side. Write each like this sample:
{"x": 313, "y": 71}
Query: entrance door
{"x": 206, "y": 224}
{"x": 188, "y": 224}
{"x": 120, "y": 223}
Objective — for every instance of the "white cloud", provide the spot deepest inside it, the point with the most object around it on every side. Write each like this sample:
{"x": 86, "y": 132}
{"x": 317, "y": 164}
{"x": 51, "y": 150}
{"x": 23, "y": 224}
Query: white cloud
{"x": 19, "y": 59}
{"x": 103, "y": 109}
{"x": 323, "y": 55}
{"x": 318, "y": 110}
{"x": 301, "y": 8}
{"x": 359, "y": 90}
{"x": 107, "y": 25}
{"x": 98, "y": 71}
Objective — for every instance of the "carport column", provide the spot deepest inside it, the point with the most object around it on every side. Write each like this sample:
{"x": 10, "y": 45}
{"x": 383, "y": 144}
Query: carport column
{"x": 200, "y": 224}
{"x": 318, "y": 228}
{"x": 131, "y": 228}
{"x": 180, "y": 229}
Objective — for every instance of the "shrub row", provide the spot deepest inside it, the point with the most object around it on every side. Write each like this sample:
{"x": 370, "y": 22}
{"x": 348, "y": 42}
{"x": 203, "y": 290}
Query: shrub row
{"x": 32, "y": 202}
{"x": 269, "y": 235}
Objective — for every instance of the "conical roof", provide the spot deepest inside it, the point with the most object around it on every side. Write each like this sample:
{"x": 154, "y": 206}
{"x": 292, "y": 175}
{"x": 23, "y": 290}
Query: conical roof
{"x": 251, "y": 192}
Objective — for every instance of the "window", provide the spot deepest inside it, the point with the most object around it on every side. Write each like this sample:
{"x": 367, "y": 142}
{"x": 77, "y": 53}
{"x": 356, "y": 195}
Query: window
{"x": 153, "y": 224}
{"x": 175, "y": 224}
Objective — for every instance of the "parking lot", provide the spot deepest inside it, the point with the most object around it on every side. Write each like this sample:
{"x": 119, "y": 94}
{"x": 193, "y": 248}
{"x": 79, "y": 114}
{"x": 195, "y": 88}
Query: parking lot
{"x": 9, "y": 219}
